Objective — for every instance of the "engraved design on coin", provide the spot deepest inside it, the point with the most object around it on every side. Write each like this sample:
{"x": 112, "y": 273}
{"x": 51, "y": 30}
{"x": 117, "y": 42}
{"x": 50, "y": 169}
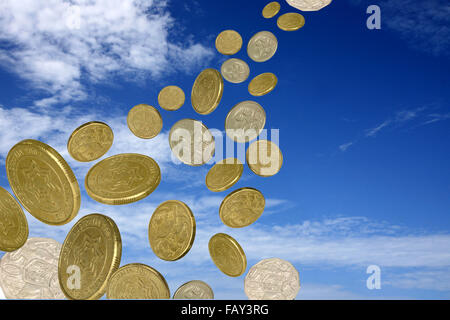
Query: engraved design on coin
{"x": 144, "y": 121}
{"x": 272, "y": 279}
{"x": 171, "y": 230}
{"x": 13, "y": 223}
{"x": 171, "y": 98}
{"x": 262, "y": 46}
{"x": 262, "y": 84}
{"x": 291, "y": 21}
{"x": 264, "y": 158}
{"x": 194, "y": 289}
{"x": 235, "y": 70}
{"x": 245, "y": 121}
{"x": 271, "y": 10}
{"x": 308, "y": 5}
{"x": 229, "y": 42}
{"x": 31, "y": 272}
{"x": 227, "y": 255}
{"x": 224, "y": 174}
{"x": 207, "y": 91}
{"x": 242, "y": 207}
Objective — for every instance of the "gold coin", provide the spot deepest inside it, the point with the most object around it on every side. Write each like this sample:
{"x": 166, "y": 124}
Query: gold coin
{"x": 13, "y": 223}
{"x": 137, "y": 281}
{"x": 207, "y": 91}
{"x": 144, "y": 121}
{"x": 43, "y": 182}
{"x": 291, "y": 21}
{"x": 229, "y": 42}
{"x": 171, "y": 230}
{"x": 195, "y": 289}
{"x": 224, "y": 174}
{"x": 90, "y": 141}
{"x": 245, "y": 121}
{"x": 122, "y": 179}
{"x": 242, "y": 207}
{"x": 227, "y": 255}
{"x": 264, "y": 158}
{"x": 171, "y": 98}
{"x": 262, "y": 84}
{"x": 89, "y": 256}
{"x": 271, "y": 10}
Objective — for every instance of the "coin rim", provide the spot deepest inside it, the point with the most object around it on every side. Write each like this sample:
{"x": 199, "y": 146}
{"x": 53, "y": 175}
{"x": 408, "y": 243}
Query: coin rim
{"x": 254, "y": 36}
{"x": 271, "y": 13}
{"x": 143, "y": 136}
{"x": 297, "y": 6}
{"x": 234, "y": 180}
{"x": 251, "y": 165}
{"x": 233, "y": 52}
{"x": 237, "y": 247}
{"x": 274, "y": 82}
{"x": 171, "y": 109}
{"x": 240, "y": 60}
{"x": 246, "y": 138}
{"x": 196, "y": 281}
{"x": 218, "y": 98}
{"x": 284, "y": 28}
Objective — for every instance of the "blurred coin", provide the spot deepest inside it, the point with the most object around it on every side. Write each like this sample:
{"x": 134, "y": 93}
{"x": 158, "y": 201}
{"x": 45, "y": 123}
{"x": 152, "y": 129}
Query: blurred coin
{"x": 144, "y": 121}
{"x": 13, "y": 223}
{"x": 194, "y": 289}
{"x": 262, "y": 46}
{"x": 262, "y": 84}
{"x": 227, "y": 255}
{"x": 264, "y": 158}
{"x": 308, "y": 5}
{"x": 207, "y": 91}
{"x": 171, "y": 98}
{"x": 235, "y": 70}
{"x": 229, "y": 42}
{"x": 290, "y": 21}
{"x": 245, "y": 121}
{"x": 224, "y": 174}
{"x": 271, "y": 10}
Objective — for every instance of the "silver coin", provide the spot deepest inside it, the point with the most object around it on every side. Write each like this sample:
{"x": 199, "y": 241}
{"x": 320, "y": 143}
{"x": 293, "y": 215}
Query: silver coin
{"x": 31, "y": 272}
{"x": 308, "y": 5}
{"x": 235, "y": 70}
{"x": 262, "y": 46}
{"x": 2, "y": 295}
{"x": 245, "y": 121}
{"x": 194, "y": 289}
{"x": 272, "y": 279}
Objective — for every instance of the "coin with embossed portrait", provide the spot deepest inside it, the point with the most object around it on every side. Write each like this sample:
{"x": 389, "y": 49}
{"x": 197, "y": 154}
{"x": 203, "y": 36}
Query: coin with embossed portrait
{"x": 207, "y": 91}
{"x": 171, "y": 98}
{"x": 194, "y": 289}
{"x": 224, "y": 174}
{"x": 264, "y": 158}
{"x": 13, "y": 223}
{"x": 262, "y": 46}
{"x": 229, "y": 42}
{"x": 227, "y": 255}
{"x": 245, "y": 121}
{"x": 308, "y": 5}
{"x": 144, "y": 121}
{"x": 235, "y": 70}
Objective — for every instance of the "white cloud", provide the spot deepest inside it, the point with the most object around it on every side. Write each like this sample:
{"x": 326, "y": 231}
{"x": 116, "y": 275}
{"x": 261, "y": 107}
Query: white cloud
{"x": 421, "y": 279}
{"x": 345, "y": 146}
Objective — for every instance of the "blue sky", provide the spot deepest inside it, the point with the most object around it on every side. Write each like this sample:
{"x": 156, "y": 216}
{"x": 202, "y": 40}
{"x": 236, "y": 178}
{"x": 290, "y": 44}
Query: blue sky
{"x": 363, "y": 117}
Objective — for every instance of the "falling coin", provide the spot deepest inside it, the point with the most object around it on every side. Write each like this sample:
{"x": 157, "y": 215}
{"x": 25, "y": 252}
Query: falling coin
{"x": 13, "y": 223}
{"x": 229, "y": 42}
{"x": 227, "y": 255}
{"x": 207, "y": 91}
{"x": 271, "y": 10}
{"x": 262, "y": 84}
{"x": 291, "y": 21}
{"x": 245, "y": 121}
{"x": 262, "y": 46}
{"x": 144, "y": 121}
{"x": 194, "y": 289}
{"x": 264, "y": 158}
{"x": 171, "y": 98}
{"x": 224, "y": 174}
{"x": 235, "y": 70}
{"x": 308, "y": 5}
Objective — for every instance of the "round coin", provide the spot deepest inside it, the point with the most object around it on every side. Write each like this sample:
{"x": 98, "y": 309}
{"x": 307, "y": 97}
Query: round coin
{"x": 264, "y": 158}
{"x": 43, "y": 182}
{"x": 262, "y": 84}
{"x": 224, "y": 174}
{"x": 171, "y": 230}
{"x": 235, "y": 70}
{"x": 227, "y": 255}
{"x": 272, "y": 279}
{"x": 271, "y": 10}
{"x": 31, "y": 272}
{"x": 245, "y": 121}
{"x": 13, "y": 223}
{"x": 90, "y": 141}
{"x": 171, "y": 98}
{"x": 229, "y": 42}
{"x": 144, "y": 121}
{"x": 308, "y": 5}
{"x": 91, "y": 252}
{"x": 207, "y": 91}
{"x": 262, "y": 46}
{"x": 137, "y": 281}
{"x": 123, "y": 179}
{"x": 194, "y": 289}
{"x": 290, "y": 21}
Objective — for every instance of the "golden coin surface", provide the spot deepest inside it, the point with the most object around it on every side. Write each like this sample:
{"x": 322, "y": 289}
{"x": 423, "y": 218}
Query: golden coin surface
{"x": 13, "y": 223}
{"x": 144, "y": 121}
{"x": 171, "y": 98}
{"x": 122, "y": 179}
{"x": 262, "y": 46}
{"x": 262, "y": 84}
{"x": 224, "y": 174}
{"x": 291, "y": 21}
{"x": 235, "y": 70}
{"x": 191, "y": 142}
{"x": 90, "y": 141}
{"x": 207, "y": 91}
{"x": 89, "y": 256}
{"x": 194, "y": 289}
{"x": 227, "y": 255}
{"x": 242, "y": 207}
{"x": 271, "y": 10}
{"x": 229, "y": 42}
{"x": 171, "y": 230}
{"x": 245, "y": 121}
{"x": 43, "y": 182}
{"x": 264, "y": 158}
{"x": 137, "y": 281}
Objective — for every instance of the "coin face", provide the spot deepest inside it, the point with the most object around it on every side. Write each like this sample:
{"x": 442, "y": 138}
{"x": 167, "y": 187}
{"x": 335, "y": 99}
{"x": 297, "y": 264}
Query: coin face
{"x": 92, "y": 252}
{"x": 13, "y": 223}
{"x": 271, "y": 10}
{"x": 235, "y": 70}
{"x": 171, "y": 230}
{"x": 194, "y": 289}
{"x": 31, "y": 272}
{"x": 224, "y": 174}
{"x": 90, "y": 141}
{"x": 309, "y": 5}
{"x": 123, "y": 179}
{"x": 242, "y": 207}
{"x": 229, "y": 42}
{"x": 291, "y": 21}
{"x": 227, "y": 255}
{"x": 262, "y": 46}
{"x": 262, "y": 84}
{"x": 171, "y": 98}
{"x": 245, "y": 121}
{"x": 43, "y": 182}
{"x": 137, "y": 281}
{"x": 264, "y": 158}
{"x": 207, "y": 91}
{"x": 191, "y": 142}
{"x": 272, "y": 279}
{"x": 144, "y": 121}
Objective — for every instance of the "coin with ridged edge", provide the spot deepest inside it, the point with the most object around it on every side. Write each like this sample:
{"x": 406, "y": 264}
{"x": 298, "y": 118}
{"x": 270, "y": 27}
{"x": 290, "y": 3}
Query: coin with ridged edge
{"x": 171, "y": 98}
{"x": 207, "y": 91}
{"x": 195, "y": 289}
{"x": 264, "y": 158}
{"x": 262, "y": 46}
{"x": 224, "y": 174}
{"x": 262, "y": 84}
{"x": 13, "y": 223}
{"x": 271, "y": 10}
{"x": 227, "y": 255}
{"x": 144, "y": 121}
{"x": 308, "y": 5}
{"x": 229, "y": 42}
{"x": 291, "y": 21}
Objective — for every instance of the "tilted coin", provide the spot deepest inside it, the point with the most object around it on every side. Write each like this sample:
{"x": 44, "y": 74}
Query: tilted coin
{"x": 89, "y": 256}
{"x": 31, "y": 272}
{"x": 171, "y": 230}
{"x": 123, "y": 179}
{"x": 229, "y": 42}
{"x": 137, "y": 281}
{"x": 90, "y": 141}
{"x": 290, "y": 21}
{"x": 43, "y": 182}
{"x": 308, "y": 5}
{"x": 13, "y": 223}
{"x": 235, "y": 70}
{"x": 207, "y": 91}
{"x": 144, "y": 121}
{"x": 194, "y": 289}
{"x": 224, "y": 174}
{"x": 271, "y": 10}
{"x": 245, "y": 121}
{"x": 264, "y": 158}
{"x": 262, "y": 84}
{"x": 272, "y": 279}
{"x": 262, "y": 46}
{"x": 227, "y": 255}
{"x": 171, "y": 98}
{"x": 242, "y": 207}
{"x": 191, "y": 142}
